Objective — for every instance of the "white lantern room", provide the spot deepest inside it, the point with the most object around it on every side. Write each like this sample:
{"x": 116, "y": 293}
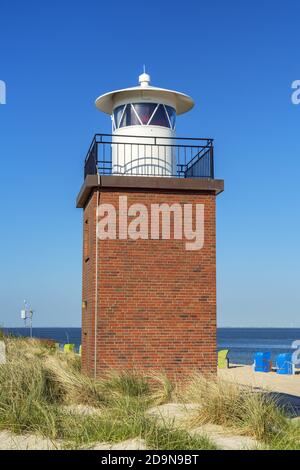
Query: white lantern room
{"x": 143, "y": 127}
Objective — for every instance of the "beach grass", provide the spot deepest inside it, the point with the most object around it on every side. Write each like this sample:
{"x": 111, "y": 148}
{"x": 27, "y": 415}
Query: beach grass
{"x": 42, "y": 389}
{"x": 240, "y": 409}
{"x": 286, "y": 439}
{"x": 39, "y": 386}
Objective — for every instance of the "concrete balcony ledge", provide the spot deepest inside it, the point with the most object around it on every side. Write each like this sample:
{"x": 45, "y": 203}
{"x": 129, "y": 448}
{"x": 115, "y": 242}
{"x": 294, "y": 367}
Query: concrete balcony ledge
{"x": 148, "y": 183}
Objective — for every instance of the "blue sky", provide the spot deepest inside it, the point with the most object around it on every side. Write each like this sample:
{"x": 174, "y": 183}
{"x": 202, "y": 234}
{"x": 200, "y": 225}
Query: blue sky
{"x": 236, "y": 59}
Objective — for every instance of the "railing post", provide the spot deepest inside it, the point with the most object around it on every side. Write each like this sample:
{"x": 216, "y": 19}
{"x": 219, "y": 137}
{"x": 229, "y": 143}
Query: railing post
{"x": 212, "y": 173}
{"x": 96, "y": 158}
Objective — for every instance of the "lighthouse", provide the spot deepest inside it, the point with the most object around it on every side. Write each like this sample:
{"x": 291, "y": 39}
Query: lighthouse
{"x": 149, "y": 285}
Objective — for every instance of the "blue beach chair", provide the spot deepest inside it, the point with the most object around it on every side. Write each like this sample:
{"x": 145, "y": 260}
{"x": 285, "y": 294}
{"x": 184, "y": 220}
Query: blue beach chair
{"x": 284, "y": 364}
{"x": 262, "y": 362}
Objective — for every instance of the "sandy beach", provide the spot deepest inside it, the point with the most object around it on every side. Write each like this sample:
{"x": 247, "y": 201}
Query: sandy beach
{"x": 244, "y": 375}
{"x": 286, "y": 388}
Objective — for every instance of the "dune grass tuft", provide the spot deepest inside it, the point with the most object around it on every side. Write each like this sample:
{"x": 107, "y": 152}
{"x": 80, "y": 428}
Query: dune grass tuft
{"x": 242, "y": 409}
{"x": 162, "y": 389}
{"x": 285, "y": 439}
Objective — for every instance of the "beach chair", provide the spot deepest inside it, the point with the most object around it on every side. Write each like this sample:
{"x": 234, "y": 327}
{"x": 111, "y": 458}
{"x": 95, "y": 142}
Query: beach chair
{"x": 262, "y": 362}
{"x": 284, "y": 364}
{"x": 69, "y": 347}
{"x": 223, "y": 360}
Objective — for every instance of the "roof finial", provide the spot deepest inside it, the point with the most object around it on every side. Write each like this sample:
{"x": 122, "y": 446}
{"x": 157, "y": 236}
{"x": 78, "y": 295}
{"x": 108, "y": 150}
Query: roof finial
{"x": 144, "y": 78}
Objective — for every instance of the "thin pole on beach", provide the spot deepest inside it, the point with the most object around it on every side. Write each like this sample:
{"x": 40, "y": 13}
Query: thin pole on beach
{"x": 27, "y": 314}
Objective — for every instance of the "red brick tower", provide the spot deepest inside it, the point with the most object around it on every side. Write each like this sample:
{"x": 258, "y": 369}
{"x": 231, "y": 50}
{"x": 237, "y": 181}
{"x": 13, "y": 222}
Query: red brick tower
{"x": 149, "y": 250}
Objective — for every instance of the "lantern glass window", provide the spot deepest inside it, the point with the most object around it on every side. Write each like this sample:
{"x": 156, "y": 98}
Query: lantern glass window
{"x": 144, "y": 114}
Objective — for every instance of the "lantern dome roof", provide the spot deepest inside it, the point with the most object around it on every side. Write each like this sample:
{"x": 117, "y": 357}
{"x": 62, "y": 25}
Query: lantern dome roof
{"x": 144, "y": 92}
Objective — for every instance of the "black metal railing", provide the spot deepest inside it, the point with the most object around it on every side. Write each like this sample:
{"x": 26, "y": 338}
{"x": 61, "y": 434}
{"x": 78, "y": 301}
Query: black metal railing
{"x": 150, "y": 156}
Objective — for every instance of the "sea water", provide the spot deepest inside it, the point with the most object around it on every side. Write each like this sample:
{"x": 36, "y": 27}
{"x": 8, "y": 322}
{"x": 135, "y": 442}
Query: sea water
{"x": 243, "y": 343}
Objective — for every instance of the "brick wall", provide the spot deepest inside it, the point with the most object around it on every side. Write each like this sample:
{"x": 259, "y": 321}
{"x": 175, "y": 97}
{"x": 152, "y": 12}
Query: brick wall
{"x": 156, "y": 301}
